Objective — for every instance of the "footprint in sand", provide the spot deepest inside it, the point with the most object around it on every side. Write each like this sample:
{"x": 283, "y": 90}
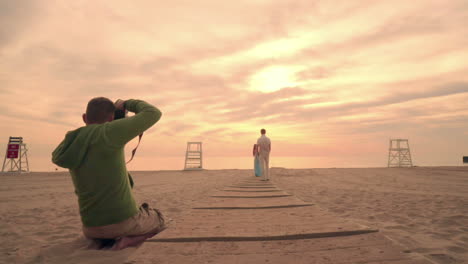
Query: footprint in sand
{"x": 457, "y": 249}
{"x": 398, "y": 227}
{"x": 423, "y": 250}
{"x": 443, "y": 258}
{"x": 62, "y": 236}
{"x": 78, "y": 251}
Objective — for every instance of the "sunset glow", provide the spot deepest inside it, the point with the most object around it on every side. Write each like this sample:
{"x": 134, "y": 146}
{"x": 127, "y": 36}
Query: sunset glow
{"x": 272, "y": 79}
{"x": 327, "y": 79}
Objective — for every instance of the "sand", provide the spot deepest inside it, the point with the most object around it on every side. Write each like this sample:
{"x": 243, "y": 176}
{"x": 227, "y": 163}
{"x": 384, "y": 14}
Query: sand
{"x": 423, "y": 209}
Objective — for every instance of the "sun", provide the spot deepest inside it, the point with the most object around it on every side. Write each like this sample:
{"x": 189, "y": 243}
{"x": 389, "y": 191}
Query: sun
{"x": 273, "y": 79}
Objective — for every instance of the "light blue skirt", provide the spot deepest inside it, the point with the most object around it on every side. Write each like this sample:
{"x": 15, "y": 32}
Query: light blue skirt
{"x": 257, "y": 167}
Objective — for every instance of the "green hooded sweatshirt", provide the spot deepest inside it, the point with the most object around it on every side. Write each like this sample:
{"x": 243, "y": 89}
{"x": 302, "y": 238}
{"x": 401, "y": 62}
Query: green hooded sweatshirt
{"x": 94, "y": 155}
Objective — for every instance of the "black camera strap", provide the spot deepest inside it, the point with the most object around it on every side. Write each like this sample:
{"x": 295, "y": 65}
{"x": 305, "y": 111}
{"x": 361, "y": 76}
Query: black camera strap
{"x": 135, "y": 149}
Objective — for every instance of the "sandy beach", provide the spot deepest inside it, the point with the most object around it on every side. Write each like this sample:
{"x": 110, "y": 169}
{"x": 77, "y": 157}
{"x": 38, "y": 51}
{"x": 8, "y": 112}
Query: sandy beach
{"x": 424, "y": 209}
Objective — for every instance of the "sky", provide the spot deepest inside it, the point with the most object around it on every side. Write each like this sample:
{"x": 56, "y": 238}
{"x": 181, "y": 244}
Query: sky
{"x": 329, "y": 80}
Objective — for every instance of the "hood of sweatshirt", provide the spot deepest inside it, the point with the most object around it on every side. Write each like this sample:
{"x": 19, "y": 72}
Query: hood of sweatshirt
{"x": 72, "y": 150}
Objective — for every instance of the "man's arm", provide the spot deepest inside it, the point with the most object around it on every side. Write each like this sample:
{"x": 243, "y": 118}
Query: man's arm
{"x": 119, "y": 132}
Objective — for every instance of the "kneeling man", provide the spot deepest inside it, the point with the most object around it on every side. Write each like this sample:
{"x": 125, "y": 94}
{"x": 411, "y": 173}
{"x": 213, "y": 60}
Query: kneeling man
{"x": 94, "y": 155}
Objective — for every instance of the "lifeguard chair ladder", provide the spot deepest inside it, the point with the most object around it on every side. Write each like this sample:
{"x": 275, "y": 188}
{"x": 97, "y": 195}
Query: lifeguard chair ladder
{"x": 399, "y": 154}
{"x": 194, "y": 156}
{"x": 16, "y": 156}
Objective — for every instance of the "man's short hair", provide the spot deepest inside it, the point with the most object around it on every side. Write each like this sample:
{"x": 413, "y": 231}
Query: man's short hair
{"x": 99, "y": 110}
{"x": 263, "y": 131}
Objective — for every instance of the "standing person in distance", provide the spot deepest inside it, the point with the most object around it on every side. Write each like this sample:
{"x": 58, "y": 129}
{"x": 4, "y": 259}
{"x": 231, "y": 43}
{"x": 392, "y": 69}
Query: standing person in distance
{"x": 264, "y": 148}
{"x": 257, "y": 166}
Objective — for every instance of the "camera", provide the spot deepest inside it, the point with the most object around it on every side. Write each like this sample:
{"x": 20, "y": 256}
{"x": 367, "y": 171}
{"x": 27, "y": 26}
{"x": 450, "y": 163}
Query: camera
{"x": 118, "y": 114}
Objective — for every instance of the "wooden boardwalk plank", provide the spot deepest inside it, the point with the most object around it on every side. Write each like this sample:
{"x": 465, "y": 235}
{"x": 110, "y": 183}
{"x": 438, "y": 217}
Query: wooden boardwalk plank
{"x": 271, "y": 231}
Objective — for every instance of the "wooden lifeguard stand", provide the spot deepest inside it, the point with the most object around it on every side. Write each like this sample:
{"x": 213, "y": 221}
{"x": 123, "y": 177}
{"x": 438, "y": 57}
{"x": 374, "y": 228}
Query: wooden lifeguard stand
{"x": 16, "y": 157}
{"x": 194, "y": 156}
{"x": 399, "y": 154}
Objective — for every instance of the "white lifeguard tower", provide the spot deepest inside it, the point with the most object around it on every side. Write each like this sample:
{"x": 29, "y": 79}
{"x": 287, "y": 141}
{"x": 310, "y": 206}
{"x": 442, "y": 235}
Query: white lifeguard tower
{"x": 399, "y": 154}
{"x": 194, "y": 156}
{"x": 16, "y": 157}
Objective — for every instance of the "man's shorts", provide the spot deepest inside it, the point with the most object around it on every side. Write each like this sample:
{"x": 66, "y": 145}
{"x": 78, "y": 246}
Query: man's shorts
{"x": 146, "y": 221}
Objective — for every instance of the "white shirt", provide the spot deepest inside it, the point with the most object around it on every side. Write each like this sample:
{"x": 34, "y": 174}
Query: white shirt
{"x": 264, "y": 143}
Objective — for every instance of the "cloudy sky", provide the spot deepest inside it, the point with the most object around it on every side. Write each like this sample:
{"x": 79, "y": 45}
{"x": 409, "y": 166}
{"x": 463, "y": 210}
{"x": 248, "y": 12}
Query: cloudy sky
{"x": 330, "y": 79}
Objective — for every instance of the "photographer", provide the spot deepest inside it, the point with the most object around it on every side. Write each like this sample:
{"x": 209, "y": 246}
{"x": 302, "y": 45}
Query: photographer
{"x": 94, "y": 155}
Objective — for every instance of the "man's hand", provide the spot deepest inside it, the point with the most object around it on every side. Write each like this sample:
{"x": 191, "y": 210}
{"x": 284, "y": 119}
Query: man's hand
{"x": 119, "y": 104}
